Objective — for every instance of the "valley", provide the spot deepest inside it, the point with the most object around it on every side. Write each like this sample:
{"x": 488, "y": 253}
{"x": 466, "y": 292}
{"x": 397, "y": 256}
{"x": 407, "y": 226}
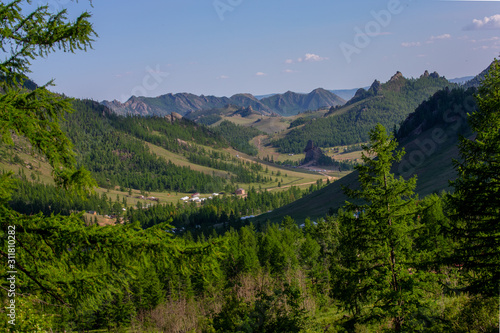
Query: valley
{"x": 285, "y": 213}
{"x": 268, "y": 157}
{"x": 192, "y": 205}
{"x": 236, "y": 175}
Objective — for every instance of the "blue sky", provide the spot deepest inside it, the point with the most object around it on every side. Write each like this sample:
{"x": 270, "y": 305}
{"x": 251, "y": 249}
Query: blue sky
{"x": 224, "y": 47}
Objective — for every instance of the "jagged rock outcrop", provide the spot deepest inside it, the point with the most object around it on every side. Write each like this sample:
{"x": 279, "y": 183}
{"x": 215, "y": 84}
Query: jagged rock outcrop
{"x": 245, "y": 112}
{"x": 434, "y": 75}
{"x": 313, "y": 154}
{"x": 375, "y": 87}
{"x": 396, "y": 76}
{"x": 174, "y": 116}
{"x": 396, "y": 83}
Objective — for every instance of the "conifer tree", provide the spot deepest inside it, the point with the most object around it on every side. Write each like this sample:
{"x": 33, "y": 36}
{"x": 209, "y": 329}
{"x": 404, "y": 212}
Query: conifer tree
{"x": 477, "y": 192}
{"x": 35, "y": 112}
{"x": 375, "y": 274}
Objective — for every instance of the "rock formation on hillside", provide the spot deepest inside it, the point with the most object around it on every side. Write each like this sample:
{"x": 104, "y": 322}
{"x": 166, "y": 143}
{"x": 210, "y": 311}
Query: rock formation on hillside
{"x": 313, "y": 154}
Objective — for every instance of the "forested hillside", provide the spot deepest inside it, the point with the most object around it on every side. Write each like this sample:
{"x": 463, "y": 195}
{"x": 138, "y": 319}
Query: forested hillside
{"x": 388, "y": 104}
{"x": 429, "y": 136}
{"x": 239, "y": 136}
{"x": 112, "y": 148}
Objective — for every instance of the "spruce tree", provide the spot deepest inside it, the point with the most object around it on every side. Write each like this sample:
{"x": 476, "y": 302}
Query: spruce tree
{"x": 476, "y": 200}
{"x": 376, "y": 276}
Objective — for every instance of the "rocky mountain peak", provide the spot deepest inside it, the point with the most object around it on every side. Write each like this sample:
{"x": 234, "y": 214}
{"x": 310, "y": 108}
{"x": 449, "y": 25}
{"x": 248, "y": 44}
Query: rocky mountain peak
{"x": 396, "y": 76}
{"x": 375, "y": 87}
{"x": 434, "y": 75}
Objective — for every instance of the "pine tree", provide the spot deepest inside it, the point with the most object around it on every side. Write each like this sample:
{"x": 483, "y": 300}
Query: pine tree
{"x": 375, "y": 274}
{"x": 477, "y": 192}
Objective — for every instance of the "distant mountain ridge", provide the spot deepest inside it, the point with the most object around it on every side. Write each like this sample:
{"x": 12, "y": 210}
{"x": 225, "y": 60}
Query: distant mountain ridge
{"x": 462, "y": 80}
{"x": 291, "y": 103}
{"x": 476, "y": 80}
{"x": 347, "y": 94}
{"x": 286, "y": 104}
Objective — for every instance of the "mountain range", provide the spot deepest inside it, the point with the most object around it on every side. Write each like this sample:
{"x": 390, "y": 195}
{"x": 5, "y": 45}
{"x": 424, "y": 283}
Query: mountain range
{"x": 286, "y": 104}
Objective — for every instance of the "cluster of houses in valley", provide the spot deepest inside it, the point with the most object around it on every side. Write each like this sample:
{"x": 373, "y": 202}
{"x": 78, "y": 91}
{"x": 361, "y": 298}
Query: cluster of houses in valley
{"x": 195, "y": 197}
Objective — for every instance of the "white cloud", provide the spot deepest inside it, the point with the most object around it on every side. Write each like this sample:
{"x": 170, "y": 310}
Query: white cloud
{"x": 289, "y": 71}
{"x": 288, "y": 61}
{"x": 411, "y": 44}
{"x": 432, "y": 39}
{"x": 314, "y": 57}
{"x": 260, "y": 74}
{"x": 311, "y": 57}
{"x": 222, "y": 77}
{"x": 487, "y": 23}
{"x": 443, "y": 36}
